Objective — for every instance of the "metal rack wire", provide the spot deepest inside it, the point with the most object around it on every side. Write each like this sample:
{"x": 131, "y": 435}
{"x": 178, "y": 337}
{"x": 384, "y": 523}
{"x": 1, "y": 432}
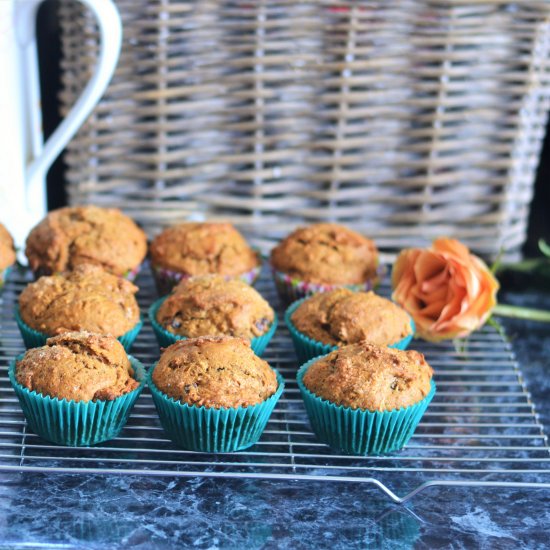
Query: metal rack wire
{"x": 481, "y": 429}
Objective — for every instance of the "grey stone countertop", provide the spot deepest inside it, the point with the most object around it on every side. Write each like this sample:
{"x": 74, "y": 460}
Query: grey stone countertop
{"x": 66, "y": 511}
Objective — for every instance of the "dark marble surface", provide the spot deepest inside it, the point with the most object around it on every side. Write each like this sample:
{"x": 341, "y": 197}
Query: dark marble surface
{"x": 66, "y": 511}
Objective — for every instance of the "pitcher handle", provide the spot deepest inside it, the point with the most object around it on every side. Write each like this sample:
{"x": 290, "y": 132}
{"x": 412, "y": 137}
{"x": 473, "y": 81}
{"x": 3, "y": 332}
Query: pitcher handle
{"x": 110, "y": 33}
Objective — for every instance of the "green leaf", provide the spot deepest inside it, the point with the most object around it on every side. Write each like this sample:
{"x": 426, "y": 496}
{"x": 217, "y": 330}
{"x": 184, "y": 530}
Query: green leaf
{"x": 498, "y": 261}
{"x": 544, "y": 247}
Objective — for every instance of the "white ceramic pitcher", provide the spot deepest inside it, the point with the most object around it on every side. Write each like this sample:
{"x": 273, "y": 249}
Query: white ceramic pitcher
{"x": 24, "y": 157}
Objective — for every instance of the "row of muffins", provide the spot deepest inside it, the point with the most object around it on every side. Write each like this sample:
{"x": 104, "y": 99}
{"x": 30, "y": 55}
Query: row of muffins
{"x": 213, "y": 394}
{"x": 93, "y": 300}
{"x": 232, "y": 306}
{"x": 311, "y": 259}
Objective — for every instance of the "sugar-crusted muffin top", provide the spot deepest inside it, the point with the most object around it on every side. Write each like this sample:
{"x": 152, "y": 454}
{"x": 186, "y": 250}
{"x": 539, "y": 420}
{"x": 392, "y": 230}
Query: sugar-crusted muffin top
{"x": 78, "y": 366}
{"x": 326, "y": 253}
{"x": 87, "y": 298}
{"x": 7, "y": 249}
{"x": 76, "y": 235}
{"x": 203, "y": 248}
{"x": 341, "y": 317}
{"x": 369, "y": 377}
{"x": 214, "y": 371}
{"x": 213, "y": 305}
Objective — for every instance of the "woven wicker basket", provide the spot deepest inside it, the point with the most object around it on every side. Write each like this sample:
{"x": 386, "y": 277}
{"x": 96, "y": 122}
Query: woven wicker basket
{"x": 403, "y": 119}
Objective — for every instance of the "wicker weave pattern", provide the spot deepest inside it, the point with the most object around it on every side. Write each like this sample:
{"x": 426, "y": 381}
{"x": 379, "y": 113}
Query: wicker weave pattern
{"x": 403, "y": 119}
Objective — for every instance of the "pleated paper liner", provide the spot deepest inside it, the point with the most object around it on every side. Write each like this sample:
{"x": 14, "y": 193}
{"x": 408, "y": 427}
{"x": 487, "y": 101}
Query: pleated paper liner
{"x": 166, "y": 279}
{"x": 76, "y": 423}
{"x": 35, "y": 339}
{"x": 359, "y": 432}
{"x": 307, "y": 348}
{"x": 211, "y": 430}
{"x": 165, "y": 338}
{"x": 291, "y": 289}
{"x": 4, "y": 274}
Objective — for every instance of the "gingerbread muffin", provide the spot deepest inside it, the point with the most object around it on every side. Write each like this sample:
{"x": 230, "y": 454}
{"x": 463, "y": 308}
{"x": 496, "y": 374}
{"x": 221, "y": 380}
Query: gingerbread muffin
{"x": 78, "y": 366}
{"x": 321, "y": 257}
{"x": 7, "y": 249}
{"x": 191, "y": 249}
{"x": 341, "y": 317}
{"x": 212, "y": 305}
{"x": 369, "y": 377}
{"x": 87, "y": 298}
{"x": 213, "y": 394}
{"x": 78, "y": 389}
{"x": 76, "y": 235}
{"x": 214, "y": 372}
{"x": 364, "y": 399}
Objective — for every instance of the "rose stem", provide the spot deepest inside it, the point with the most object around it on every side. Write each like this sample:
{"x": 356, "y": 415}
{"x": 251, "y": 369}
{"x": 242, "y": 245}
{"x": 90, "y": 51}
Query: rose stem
{"x": 518, "y": 312}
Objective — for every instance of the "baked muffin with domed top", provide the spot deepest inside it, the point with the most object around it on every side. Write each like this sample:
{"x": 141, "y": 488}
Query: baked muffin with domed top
{"x": 214, "y": 371}
{"x": 78, "y": 389}
{"x": 76, "y": 235}
{"x": 201, "y": 248}
{"x": 341, "y": 317}
{"x": 87, "y": 298}
{"x": 78, "y": 366}
{"x": 213, "y": 394}
{"x": 214, "y": 306}
{"x": 365, "y": 399}
{"x": 321, "y": 257}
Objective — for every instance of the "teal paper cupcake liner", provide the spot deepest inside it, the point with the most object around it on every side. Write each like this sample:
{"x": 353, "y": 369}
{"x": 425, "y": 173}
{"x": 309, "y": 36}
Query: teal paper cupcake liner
{"x": 358, "y": 432}
{"x": 212, "y": 430}
{"x": 76, "y": 423}
{"x": 35, "y": 339}
{"x": 307, "y": 348}
{"x": 291, "y": 289}
{"x": 4, "y": 274}
{"x": 165, "y": 338}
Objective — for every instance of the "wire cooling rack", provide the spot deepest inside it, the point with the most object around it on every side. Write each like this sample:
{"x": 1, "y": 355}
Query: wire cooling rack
{"x": 481, "y": 429}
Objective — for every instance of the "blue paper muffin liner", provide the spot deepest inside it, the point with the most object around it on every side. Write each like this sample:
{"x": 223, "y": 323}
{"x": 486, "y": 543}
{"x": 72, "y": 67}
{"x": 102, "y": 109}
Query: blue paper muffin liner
{"x": 167, "y": 279}
{"x": 211, "y": 430}
{"x": 307, "y": 348}
{"x": 165, "y": 338}
{"x": 359, "y": 432}
{"x": 291, "y": 289}
{"x": 4, "y": 274}
{"x": 35, "y": 339}
{"x": 76, "y": 423}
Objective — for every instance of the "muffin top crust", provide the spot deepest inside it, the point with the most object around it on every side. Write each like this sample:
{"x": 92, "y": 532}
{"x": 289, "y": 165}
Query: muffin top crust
{"x": 369, "y": 377}
{"x": 78, "y": 366}
{"x": 7, "y": 248}
{"x": 202, "y": 249}
{"x": 76, "y": 235}
{"x": 214, "y": 371}
{"x": 87, "y": 298}
{"x": 212, "y": 305}
{"x": 326, "y": 253}
{"x": 341, "y": 317}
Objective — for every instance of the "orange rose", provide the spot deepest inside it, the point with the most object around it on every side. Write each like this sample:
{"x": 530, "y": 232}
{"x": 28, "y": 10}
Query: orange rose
{"x": 448, "y": 291}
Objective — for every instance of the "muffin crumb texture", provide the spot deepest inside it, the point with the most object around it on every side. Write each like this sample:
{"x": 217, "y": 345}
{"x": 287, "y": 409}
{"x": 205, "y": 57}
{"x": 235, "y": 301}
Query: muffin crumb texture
{"x": 214, "y": 372}
{"x": 7, "y": 249}
{"x": 326, "y": 253}
{"x": 78, "y": 366}
{"x": 87, "y": 298}
{"x": 76, "y": 235}
{"x": 212, "y": 306}
{"x": 202, "y": 249}
{"x": 365, "y": 376}
{"x": 341, "y": 317}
